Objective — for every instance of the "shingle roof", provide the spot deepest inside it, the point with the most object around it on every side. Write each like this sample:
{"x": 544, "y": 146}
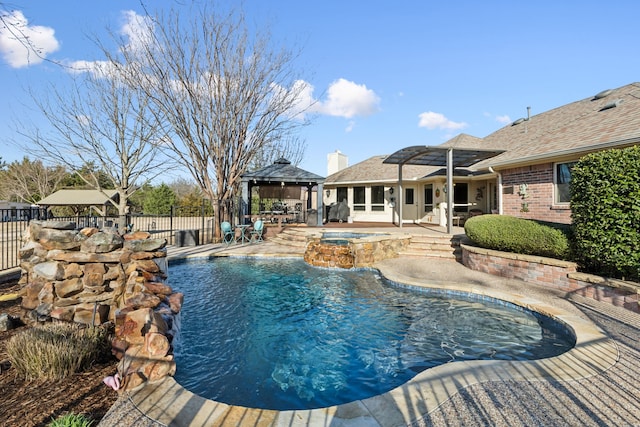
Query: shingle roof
{"x": 573, "y": 129}
{"x": 282, "y": 170}
{"x": 373, "y": 170}
{"x": 579, "y": 127}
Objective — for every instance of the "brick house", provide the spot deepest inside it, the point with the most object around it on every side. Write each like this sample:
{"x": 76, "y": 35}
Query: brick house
{"x": 530, "y": 179}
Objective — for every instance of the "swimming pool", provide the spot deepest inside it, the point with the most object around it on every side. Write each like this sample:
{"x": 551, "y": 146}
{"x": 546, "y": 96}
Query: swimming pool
{"x": 280, "y": 334}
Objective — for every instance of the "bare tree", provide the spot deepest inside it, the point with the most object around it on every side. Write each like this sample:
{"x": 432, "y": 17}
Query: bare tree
{"x": 101, "y": 121}
{"x": 227, "y": 95}
{"x": 291, "y": 149}
{"x": 29, "y": 181}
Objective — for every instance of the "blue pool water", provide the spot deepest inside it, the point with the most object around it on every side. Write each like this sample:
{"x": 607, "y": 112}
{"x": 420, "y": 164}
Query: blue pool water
{"x": 280, "y": 334}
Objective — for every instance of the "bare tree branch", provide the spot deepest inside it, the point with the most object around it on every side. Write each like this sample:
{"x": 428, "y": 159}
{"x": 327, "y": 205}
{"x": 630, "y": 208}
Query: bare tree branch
{"x": 30, "y": 181}
{"x": 98, "y": 119}
{"x": 228, "y": 96}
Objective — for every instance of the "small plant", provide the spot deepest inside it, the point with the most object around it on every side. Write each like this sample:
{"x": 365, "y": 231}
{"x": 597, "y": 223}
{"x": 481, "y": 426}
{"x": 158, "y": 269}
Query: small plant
{"x": 56, "y": 350}
{"x": 71, "y": 420}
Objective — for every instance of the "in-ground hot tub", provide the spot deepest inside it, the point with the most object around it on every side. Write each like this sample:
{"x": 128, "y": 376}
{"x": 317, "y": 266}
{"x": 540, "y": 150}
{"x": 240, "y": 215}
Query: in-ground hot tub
{"x": 349, "y": 249}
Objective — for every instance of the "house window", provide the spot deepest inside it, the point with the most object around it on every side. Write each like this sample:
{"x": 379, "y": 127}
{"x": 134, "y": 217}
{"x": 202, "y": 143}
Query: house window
{"x": 461, "y": 197}
{"x": 341, "y": 194}
{"x": 408, "y": 196}
{"x": 358, "y": 199}
{"x": 377, "y": 198}
{"x": 428, "y": 197}
{"x": 562, "y": 178}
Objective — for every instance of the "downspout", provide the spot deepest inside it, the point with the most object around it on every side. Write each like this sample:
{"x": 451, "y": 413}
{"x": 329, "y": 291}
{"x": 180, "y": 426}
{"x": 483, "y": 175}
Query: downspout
{"x": 400, "y": 198}
{"x": 499, "y": 189}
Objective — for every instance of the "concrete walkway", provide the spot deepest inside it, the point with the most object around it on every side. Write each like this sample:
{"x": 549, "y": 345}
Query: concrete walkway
{"x": 594, "y": 384}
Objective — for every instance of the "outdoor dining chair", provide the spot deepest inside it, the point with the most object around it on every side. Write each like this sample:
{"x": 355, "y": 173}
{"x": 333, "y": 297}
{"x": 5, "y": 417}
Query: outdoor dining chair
{"x": 256, "y": 232}
{"x": 228, "y": 235}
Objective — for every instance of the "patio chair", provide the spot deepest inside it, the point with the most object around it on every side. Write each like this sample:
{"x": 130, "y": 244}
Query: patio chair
{"x": 228, "y": 235}
{"x": 256, "y": 232}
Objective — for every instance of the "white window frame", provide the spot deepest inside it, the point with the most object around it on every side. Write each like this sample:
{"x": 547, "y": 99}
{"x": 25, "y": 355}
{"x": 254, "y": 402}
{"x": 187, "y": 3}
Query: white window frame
{"x": 556, "y": 185}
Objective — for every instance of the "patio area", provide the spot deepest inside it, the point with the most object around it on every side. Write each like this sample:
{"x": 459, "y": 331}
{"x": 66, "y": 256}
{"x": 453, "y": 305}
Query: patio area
{"x": 593, "y": 385}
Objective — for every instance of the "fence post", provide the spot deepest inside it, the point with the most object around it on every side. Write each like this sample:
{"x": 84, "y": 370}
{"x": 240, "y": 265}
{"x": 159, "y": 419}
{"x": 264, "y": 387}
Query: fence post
{"x": 171, "y": 213}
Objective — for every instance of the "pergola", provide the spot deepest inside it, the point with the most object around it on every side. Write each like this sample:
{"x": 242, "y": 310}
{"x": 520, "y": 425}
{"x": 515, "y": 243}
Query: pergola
{"x": 283, "y": 174}
{"x": 450, "y": 157}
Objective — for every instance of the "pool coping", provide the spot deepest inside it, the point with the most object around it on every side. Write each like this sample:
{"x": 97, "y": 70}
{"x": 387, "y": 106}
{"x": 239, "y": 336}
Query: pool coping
{"x": 168, "y": 403}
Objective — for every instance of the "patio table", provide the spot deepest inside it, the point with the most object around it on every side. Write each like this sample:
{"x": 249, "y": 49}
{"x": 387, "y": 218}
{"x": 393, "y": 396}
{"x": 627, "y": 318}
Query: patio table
{"x": 244, "y": 238}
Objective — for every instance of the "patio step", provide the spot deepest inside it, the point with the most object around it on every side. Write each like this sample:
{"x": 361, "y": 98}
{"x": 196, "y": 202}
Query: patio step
{"x": 291, "y": 236}
{"x": 434, "y": 247}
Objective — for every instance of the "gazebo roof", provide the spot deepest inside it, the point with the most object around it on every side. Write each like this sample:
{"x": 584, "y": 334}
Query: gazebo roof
{"x": 72, "y": 197}
{"x": 283, "y": 171}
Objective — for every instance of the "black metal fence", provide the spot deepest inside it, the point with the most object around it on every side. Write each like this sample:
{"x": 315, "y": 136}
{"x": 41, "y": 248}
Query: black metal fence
{"x": 196, "y": 221}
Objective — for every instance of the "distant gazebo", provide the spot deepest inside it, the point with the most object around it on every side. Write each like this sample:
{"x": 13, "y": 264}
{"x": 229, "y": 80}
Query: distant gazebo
{"x": 97, "y": 200}
{"x": 281, "y": 181}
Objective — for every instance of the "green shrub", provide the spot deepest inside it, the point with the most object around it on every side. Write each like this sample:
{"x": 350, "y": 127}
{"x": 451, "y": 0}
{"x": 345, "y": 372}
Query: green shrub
{"x": 522, "y": 236}
{"x": 56, "y": 350}
{"x": 605, "y": 206}
{"x": 71, "y": 420}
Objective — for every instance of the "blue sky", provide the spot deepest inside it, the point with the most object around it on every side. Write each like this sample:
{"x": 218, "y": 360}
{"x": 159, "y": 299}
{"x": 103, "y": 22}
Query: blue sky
{"x": 385, "y": 74}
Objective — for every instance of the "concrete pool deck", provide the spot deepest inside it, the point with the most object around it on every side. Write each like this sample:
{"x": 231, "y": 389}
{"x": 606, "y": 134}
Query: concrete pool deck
{"x": 596, "y": 383}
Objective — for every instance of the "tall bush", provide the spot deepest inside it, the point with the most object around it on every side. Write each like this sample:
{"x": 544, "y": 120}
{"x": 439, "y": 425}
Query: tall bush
{"x": 605, "y": 206}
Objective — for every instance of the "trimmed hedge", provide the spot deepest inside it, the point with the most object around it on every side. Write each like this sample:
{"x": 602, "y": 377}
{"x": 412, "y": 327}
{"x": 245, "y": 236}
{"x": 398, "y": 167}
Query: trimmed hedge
{"x": 605, "y": 206}
{"x": 523, "y": 236}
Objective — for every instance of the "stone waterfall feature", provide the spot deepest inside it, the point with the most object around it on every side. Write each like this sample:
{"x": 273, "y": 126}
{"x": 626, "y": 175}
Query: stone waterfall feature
{"x": 93, "y": 276}
{"x": 353, "y": 252}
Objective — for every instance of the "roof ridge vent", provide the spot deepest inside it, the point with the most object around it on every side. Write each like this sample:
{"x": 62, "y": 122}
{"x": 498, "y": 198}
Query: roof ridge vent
{"x": 612, "y": 104}
{"x": 602, "y": 94}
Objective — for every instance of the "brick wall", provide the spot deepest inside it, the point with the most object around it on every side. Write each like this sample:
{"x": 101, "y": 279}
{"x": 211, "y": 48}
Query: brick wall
{"x": 539, "y": 200}
{"x": 552, "y": 273}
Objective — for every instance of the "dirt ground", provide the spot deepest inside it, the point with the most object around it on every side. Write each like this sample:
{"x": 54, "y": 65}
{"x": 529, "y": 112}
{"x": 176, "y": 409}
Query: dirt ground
{"x": 36, "y": 403}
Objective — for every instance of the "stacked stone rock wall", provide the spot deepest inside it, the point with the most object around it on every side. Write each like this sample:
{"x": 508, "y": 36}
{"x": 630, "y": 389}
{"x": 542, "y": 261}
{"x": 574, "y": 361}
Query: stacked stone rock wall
{"x": 350, "y": 253}
{"x": 93, "y": 276}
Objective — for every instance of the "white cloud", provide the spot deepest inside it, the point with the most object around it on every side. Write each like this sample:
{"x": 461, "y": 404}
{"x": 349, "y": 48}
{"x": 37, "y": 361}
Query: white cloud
{"x": 431, "y": 121}
{"x": 350, "y": 126}
{"x": 348, "y": 99}
{"x": 138, "y": 29}
{"x": 22, "y": 44}
{"x": 503, "y": 119}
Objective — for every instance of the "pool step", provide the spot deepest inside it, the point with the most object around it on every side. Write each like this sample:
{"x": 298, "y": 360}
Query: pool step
{"x": 291, "y": 236}
{"x": 446, "y": 247}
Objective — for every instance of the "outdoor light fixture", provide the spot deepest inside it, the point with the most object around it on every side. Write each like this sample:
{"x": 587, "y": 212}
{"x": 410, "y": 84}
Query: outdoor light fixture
{"x": 391, "y": 190}
{"x": 328, "y": 193}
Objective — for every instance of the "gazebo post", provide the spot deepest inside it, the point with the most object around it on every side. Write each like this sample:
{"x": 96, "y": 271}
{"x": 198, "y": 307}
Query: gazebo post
{"x": 319, "y": 203}
{"x": 245, "y": 209}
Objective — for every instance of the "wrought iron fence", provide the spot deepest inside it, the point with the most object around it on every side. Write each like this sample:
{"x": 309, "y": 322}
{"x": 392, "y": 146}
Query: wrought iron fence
{"x": 13, "y": 223}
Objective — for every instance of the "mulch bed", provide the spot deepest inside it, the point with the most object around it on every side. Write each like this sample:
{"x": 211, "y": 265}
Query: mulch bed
{"x": 36, "y": 403}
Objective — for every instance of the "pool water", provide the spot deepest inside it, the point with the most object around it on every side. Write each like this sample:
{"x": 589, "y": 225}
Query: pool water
{"x": 280, "y": 334}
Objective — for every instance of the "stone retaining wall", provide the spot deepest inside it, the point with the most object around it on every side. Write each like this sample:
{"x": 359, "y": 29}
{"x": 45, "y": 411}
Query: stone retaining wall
{"x": 93, "y": 276}
{"x": 557, "y": 274}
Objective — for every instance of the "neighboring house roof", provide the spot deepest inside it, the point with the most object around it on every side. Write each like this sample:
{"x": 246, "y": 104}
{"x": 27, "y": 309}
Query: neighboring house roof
{"x": 78, "y": 198}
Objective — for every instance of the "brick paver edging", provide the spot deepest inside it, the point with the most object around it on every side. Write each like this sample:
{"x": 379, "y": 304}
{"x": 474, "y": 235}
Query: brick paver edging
{"x": 552, "y": 273}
